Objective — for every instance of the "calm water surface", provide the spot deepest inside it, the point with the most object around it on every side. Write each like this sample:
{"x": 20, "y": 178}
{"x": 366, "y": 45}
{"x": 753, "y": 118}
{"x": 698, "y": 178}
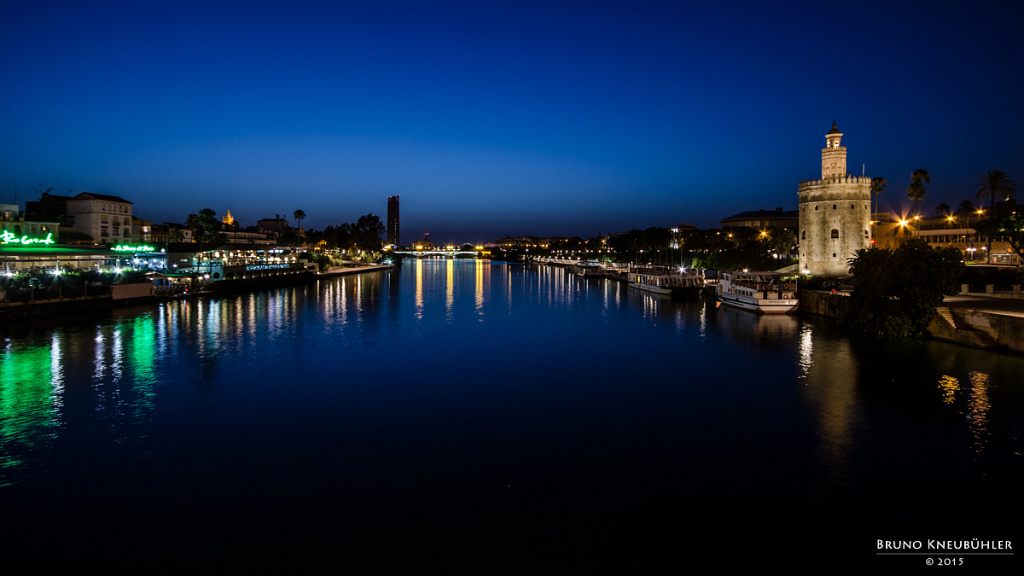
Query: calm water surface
{"x": 478, "y": 414}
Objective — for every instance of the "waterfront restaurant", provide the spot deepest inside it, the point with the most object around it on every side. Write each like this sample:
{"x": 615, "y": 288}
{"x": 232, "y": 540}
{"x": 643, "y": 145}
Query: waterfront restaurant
{"x": 234, "y": 262}
{"x": 30, "y": 254}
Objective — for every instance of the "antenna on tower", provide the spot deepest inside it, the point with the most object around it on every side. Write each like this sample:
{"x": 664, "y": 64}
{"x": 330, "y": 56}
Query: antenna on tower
{"x": 862, "y": 166}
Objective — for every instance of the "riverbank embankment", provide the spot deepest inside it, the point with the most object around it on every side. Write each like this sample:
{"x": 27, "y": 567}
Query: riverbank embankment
{"x": 119, "y": 295}
{"x": 992, "y": 320}
{"x": 339, "y": 271}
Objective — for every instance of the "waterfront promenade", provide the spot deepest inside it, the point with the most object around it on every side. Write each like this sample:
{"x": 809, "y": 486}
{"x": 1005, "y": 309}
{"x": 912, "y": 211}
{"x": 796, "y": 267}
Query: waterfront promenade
{"x": 993, "y": 305}
{"x": 993, "y": 321}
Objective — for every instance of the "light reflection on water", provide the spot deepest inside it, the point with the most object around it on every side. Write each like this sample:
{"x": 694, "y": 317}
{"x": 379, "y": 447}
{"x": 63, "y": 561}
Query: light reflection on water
{"x": 978, "y": 410}
{"x": 489, "y": 374}
{"x": 949, "y": 386}
{"x": 31, "y": 405}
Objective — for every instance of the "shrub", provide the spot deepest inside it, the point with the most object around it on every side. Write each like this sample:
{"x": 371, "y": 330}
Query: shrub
{"x": 897, "y": 291}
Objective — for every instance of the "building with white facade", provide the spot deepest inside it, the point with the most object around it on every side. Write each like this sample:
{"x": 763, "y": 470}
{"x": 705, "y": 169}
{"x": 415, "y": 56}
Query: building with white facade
{"x": 105, "y": 219}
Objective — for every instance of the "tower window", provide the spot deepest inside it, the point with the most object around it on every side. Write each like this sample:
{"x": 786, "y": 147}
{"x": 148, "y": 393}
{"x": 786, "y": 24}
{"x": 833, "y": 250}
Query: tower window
{"x": 835, "y": 233}
{"x": 851, "y": 206}
{"x": 816, "y": 207}
{"x": 803, "y": 235}
{"x": 833, "y": 206}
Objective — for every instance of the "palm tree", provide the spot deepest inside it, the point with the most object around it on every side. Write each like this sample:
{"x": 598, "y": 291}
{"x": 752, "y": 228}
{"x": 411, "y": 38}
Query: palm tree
{"x": 208, "y": 225}
{"x": 942, "y": 209}
{"x": 211, "y": 226}
{"x": 966, "y": 208}
{"x": 877, "y": 187}
{"x": 299, "y": 215}
{"x": 175, "y": 236}
{"x": 995, "y": 184}
{"x": 916, "y": 191}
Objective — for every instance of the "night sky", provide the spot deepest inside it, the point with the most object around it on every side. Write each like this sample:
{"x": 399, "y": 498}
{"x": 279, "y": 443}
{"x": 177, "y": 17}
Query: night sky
{"x": 543, "y": 118}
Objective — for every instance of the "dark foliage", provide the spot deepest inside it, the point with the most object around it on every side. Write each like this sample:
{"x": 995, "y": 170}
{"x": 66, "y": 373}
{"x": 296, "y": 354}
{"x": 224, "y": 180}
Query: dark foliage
{"x": 897, "y": 291}
{"x": 364, "y": 234}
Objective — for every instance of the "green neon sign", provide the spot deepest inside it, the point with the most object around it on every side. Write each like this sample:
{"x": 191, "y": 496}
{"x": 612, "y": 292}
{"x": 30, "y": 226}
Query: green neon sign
{"x": 9, "y": 238}
{"x": 129, "y": 248}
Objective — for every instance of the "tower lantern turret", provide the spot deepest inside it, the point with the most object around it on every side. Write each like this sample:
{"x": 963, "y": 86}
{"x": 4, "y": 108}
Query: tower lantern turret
{"x": 833, "y": 155}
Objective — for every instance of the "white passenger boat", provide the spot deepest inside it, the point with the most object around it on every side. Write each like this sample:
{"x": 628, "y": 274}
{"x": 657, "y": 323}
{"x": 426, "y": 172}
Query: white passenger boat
{"x": 757, "y": 291}
{"x": 687, "y": 283}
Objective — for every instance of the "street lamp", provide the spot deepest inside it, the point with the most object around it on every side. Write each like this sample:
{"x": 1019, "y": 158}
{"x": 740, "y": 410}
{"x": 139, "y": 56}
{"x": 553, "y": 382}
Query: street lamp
{"x": 903, "y": 223}
{"x": 981, "y": 212}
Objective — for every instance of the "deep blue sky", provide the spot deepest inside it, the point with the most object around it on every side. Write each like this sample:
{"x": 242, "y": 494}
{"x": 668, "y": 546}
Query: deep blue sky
{"x": 567, "y": 118}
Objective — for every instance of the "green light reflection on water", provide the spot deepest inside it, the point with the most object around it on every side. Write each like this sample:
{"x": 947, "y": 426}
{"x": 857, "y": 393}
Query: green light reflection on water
{"x": 124, "y": 384}
{"x": 141, "y": 356}
{"x": 30, "y": 389}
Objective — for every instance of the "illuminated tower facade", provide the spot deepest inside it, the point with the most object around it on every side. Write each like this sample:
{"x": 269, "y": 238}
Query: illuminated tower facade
{"x": 835, "y": 213}
{"x": 394, "y": 238}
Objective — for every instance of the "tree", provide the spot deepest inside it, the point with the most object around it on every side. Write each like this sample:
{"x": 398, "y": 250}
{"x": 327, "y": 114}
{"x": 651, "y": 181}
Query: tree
{"x": 916, "y": 190}
{"x": 207, "y": 224}
{"x": 995, "y": 184}
{"x": 943, "y": 209}
{"x": 366, "y": 233}
{"x": 339, "y": 236}
{"x": 655, "y": 241}
{"x": 966, "y": 208}
{"x": 877, "y": 187}
{"x": 784, "y": 241}
{"x": 299, "y": 215}
{"x": 1004, "y": 221}
{"x": 897, "y": 291}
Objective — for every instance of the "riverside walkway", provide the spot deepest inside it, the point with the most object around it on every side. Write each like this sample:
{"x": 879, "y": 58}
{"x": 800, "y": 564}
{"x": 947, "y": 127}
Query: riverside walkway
{"x": 994, "y": 305}
{"x": 984, "y": 320}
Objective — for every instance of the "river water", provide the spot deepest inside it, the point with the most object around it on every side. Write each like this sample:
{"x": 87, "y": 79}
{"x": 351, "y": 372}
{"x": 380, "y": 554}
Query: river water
{"x": 494, "y": 417}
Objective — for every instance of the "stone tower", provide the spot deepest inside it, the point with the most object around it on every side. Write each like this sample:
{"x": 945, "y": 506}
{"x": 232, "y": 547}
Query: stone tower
{"x": 835, "y": 213}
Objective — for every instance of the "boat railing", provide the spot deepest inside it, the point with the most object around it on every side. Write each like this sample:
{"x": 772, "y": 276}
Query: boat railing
{"x": 761, "y": 286}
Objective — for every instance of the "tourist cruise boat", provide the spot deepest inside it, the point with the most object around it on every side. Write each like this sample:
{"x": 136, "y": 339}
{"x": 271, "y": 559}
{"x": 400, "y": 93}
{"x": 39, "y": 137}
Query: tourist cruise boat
{"x": 687, "y": 283}
{"x": 757, "y": 291}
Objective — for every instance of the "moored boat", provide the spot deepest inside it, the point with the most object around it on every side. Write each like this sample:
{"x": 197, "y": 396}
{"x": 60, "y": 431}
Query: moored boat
{"x": 764, "y": 292}
{"x": 687, "y": 283}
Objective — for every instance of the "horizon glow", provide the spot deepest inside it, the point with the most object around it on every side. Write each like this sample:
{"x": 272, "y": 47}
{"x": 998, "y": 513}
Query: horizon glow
{"x": 539, "y": 119}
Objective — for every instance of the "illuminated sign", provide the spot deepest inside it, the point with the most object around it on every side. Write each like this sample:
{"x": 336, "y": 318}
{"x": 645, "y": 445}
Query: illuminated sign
{"x": 128, "y": 248}
{"x": 9, "y": 238}
{"x": 267, "y": 266}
